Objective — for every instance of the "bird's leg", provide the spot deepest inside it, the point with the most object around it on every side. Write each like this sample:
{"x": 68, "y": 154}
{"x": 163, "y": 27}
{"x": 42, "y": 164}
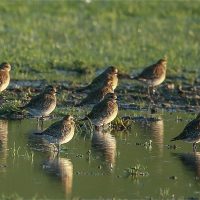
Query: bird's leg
{"x": 42, "y": 123}
{"x": 38, "y": 122}
{"x": 58, "y": 148}
{"x": 97, "y": 128}
{"x": 149, "y": 93}
{"x": 1, "y": 98}
{"x": 194, "y": 146}
{"x": 148, "y": 90}
{"x": 153, "y": 91}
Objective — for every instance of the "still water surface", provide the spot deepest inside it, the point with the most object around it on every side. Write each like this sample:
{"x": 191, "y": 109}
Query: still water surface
{"x": 94, "y": 165}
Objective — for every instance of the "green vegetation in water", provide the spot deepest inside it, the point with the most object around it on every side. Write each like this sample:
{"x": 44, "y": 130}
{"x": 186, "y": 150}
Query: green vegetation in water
{"x": 136, "y": 171}
{"x": 45, "y": 39}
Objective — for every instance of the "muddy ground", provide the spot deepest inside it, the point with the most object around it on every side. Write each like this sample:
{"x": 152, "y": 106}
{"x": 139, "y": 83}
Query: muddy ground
{"x": 174, "y": 93}
{"x": 177, "y": 93}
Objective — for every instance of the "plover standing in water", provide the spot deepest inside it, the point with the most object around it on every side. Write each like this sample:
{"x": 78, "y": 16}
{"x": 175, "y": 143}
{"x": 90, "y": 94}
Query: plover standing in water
{"x": 191, "y": 132}
{"x": 59, "y": 132}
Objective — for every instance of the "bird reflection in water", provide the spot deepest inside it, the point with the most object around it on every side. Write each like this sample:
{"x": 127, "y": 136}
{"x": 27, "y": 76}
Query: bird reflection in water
{"x": 155, "y": 130}
{"x": 3, "y": 144}
{"x": 61, "y": 168}
{"x": 105, "y": 144}
{"x": 191, "y": 161}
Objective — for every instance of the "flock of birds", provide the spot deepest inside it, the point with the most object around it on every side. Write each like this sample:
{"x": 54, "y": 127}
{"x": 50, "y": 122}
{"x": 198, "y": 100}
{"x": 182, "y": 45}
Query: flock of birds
{"x": 100, "y": 92}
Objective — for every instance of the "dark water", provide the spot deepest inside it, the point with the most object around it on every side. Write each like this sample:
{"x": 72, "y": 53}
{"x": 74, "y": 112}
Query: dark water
{"x": 97, "y": 165}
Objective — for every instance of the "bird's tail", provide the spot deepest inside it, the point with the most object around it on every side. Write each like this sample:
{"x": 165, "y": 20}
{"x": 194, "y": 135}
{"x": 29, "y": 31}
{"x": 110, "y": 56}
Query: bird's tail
{"x": 37, "y": 133}
{"x": 83, "y": 119}
{"x": 175, "y": 138}
{"x": 134, "y": 77}
{"x": 79, "y": 104}
{"x": 82, "y": 89}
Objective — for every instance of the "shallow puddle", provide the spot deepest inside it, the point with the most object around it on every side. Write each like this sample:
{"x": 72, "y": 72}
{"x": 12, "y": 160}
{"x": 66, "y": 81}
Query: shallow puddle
{"x": 102, "y": 164}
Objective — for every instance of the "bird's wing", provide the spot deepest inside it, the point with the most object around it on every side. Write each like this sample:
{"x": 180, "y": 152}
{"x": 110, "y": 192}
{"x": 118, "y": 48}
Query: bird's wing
{"x": 98, "y": 110}
{"x": 53, "y": 130}
{"x": 3, "y": 77}
{"x": 93, "y": 97}
{"x": 191, "y": 128}
{"x": 151, "y": 72}
{"x": 67, "y": 128}
{"x": 34, "y": 101}
{"x": 96, "y": 81}
{"x": 40, "y": 100}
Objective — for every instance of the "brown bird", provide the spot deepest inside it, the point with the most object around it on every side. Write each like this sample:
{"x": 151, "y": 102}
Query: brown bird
{"x": 97, "y": 95}
{"x": 43, "y": 104}
{"x": 191, "y": 132}
{"x": 105, "y": 111}
{"x": 109, "y": 74}
{"x": 4, "y": 75}
{"x": 154, "y": 74}
{"x": 60, "y": 132}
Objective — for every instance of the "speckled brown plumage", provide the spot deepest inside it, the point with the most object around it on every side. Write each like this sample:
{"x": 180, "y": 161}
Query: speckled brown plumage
{"x": 97, "y": 95}
{"x": 105, "y": 111}
{"x": 60, "y": 132}
{"x": 110, "y": 74}
{"x": 154, "y": 74}
{"x": 43, "y": 104}
{"x": 191, "y": 132}
{"x": 4, "y": 76}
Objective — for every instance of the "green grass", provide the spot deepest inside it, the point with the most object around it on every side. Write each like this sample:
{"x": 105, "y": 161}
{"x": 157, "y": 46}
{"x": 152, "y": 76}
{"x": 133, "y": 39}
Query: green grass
{"x": 38, "y": 37}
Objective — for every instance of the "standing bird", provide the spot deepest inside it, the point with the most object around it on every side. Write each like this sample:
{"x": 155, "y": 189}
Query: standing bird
{"x": 60, "y": 132}
{"x": 109, "y": 74}
{"x": 97, "y": 95}
{"x": 105, "y": 111}
{"x": 153, "y": 75}
{"x": 4, "y": 75}
{"x": 43, "y": 104}
{"x": 191, "y": 132}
